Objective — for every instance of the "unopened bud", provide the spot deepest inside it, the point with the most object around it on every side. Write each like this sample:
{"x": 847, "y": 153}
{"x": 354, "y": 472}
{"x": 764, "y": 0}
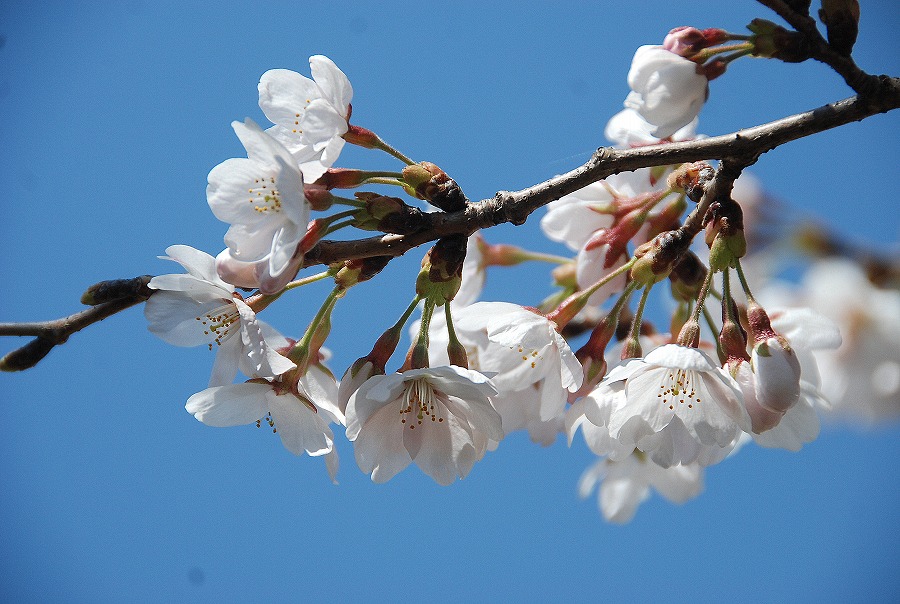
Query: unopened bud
{"x": 687, "y": 277}
{"x": 441, "y": 274}
{"x": 631, "y": 348}
{"x": 688, "y": 41}
{"x": 841, "y": 19}
{"x": 689, "y": 335}
{"x": 692, "y": 179}
{"x": 427, "y": 181}
{"x": 387, "y": 214}
{"x": 775, "y": 42}
{"x": 319, "y": 198}
{"x": 359, "y": 270}
{"x": 342, "y": 178}
{"x": 656, "y": 258}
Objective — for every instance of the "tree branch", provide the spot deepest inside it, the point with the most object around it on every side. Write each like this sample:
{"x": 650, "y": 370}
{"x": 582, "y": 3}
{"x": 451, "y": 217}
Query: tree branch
{"x": 820, "y": 50}
{"x": 128, "y": 292}
{"x": 745, "y": 146}
{"x": 737, "y": 151}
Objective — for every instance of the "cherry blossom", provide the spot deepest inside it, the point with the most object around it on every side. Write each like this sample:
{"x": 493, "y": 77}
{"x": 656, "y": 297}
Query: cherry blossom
{"x": 675, "y": 404}
{"x": 667, "y": 90}
{"x": 310, "y": 115}
{"x": 199, "y": 308}
{"x": 301, "y": 419}
{"x": 441, "y": 418}
{"x": 627, "y": 483}
{"x": 262, "y": 198}
{"x": 523, "y": 348}
{"x": 628, "y": 129}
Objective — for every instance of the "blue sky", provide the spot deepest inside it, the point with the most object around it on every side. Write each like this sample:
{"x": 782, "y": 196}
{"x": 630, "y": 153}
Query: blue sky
{"x": 112, "y": 116}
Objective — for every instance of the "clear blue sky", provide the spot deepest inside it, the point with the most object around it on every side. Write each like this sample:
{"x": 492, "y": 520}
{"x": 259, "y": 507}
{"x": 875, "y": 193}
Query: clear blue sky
{"x": 112, "y": 116}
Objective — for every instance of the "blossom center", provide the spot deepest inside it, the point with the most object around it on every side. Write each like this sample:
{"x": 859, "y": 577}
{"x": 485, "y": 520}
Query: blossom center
{"x": 264, "y": 197}
{"x": 677, "y": 388}
{"x": 297, "y": 116}
{"x": 218, "y": 323}
{"x": 419, "y": 404}
{"x": 530, "y": 356}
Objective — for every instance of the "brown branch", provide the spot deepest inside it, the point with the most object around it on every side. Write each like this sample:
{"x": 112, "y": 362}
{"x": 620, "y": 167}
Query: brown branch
{"x": 128, "y": 292}
{"x": 736, "y": 150}
{"x": 515, "y": 207}
{"x": 820, "y": 50}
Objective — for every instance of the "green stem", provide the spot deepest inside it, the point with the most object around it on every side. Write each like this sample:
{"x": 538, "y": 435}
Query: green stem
{"x": 712, "y": 327}
{"x": 726, "y": 294}
{"x": 260, "y": 301}
{"x": 385, "y": 181}
{"x": 299, "y": 351}
{"x": 701, "y": 299}
{"x": 336, "y": 227}
{"x": 539, "y": 257}
{"x": 704, "y": 55}
{"x": 743, "y": 279}
{"x": 380, "y": 144}
{"x": 639, "y": 313}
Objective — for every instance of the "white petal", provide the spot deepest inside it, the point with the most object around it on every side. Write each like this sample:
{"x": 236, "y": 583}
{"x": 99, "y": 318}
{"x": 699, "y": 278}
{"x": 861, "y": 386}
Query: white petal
{"x": 300, "y": 428}
{"x": 332, "y": 81}
{"x": 232, "y": 405}
{"x": 379, "y": 447}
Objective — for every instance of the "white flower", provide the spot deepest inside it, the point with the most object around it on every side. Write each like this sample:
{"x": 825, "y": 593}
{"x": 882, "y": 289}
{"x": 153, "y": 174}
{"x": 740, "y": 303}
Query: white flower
{"x": 520, "y": 410}
{"x": 808, "y": 334}
{"x": 678, "y": 406}
{"x": 573, "y": 218}
{"x": 628, "y": 129}
{"x": 310, "y": 116}
{"x": 441, "y": 418}
{"x": 861, "y": 379}
{"x": 667, "y": 90}
{"x": 523, "y": 348}
{"x": 262, "y": 198}
{"x": 302, "y": 420}
{"x": 777, "y": 371}
{"x": 626, "y": 483}
{"x": 199, "y": 308}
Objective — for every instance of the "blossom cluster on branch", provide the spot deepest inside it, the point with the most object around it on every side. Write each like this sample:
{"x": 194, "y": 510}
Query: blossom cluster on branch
{"x": 656, "y": 405}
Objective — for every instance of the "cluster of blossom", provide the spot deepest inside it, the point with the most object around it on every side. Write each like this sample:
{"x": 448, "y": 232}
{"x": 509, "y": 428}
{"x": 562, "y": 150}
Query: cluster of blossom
{"x": 477, "y": 370}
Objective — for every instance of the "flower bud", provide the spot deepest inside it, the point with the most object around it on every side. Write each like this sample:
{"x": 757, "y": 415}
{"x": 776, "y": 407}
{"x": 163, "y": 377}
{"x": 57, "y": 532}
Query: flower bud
{"x": 725, "y": 234}
{"x": 342, "y": 178}
{"x": 777, "y": 374}
{"x": 687, "y": 41}
{"x": 689, "y": 335}
{"x": 761, "y": 419}
{"x": 387, "y": 214}
{"x": 841, "y": 19}
{"x": 775, "y": 364}
{"x": 427, "y": 181}
{"x": 687, "y": 277}
{"x": 441, "y": 274}
{"x": 359, "y": 270}
{"x": 656, "y": 258}
{"x": 319, "y": 198}
{"x": 775, "y": 42}
{"x": 692, "y": 179}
